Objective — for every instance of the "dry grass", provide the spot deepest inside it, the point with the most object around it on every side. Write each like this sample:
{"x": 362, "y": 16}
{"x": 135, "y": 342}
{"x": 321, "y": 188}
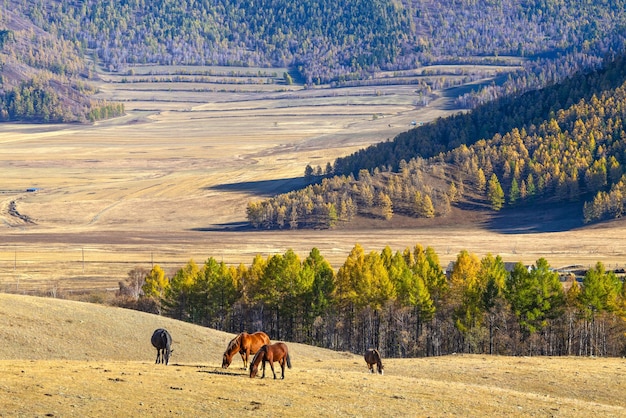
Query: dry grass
{"x": 73, "y": 359}
{"x": 170, "y": 181}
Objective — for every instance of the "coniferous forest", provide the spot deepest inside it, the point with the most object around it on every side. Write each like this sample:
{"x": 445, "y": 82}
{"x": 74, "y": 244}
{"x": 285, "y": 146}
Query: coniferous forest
{"x": 402, "y": 302}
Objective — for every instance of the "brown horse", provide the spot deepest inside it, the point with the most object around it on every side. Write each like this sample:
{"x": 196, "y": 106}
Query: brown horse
{"x": 372, "y": 356}
{"x": 245, "y": 344}
{"x": 271, "y": 353}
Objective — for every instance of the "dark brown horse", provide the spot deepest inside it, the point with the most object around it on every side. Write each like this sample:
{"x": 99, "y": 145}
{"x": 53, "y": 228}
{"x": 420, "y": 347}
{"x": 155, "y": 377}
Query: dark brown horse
{"x": 162, "y": 341}
{"x": 244, "y": 344}
{"x": 271, "y": 353}
{"x": 372, "y": 356}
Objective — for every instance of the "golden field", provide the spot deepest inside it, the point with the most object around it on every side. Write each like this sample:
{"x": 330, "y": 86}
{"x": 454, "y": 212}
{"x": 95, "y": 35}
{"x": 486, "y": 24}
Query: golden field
{"x": 69, "y": 358}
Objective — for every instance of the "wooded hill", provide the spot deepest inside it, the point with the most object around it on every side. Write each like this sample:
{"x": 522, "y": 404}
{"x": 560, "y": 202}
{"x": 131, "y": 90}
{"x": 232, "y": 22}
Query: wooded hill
{"x": 44, "y": 78}
{"x": 62, "y": 42}
{"x": 563, "y": 143}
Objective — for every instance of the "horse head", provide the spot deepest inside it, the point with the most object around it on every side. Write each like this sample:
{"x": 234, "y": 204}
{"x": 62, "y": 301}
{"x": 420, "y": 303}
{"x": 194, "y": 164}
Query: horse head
{"x": 254, "y": 364}
{"x": 379, "y": 362}
{"x": 254, "y": 369}
{"x": 233, "y": 347}
{"x": 226, "y": 360}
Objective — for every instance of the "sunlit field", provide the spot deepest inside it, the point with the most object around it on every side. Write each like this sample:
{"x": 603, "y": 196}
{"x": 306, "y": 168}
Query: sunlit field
{"x": 79, "y": 359}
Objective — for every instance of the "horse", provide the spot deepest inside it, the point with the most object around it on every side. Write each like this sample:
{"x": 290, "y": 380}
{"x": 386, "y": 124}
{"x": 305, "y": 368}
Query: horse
{"x": 372, "y": 356}
{"x": 271, "y": 353}
{"x": 245, "y": 344}
{"x": 162, "y": 341}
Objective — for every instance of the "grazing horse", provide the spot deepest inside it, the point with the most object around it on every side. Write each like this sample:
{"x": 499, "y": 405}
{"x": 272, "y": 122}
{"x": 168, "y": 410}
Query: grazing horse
{"x": 271, "y": 353}
{"x": 162, "y": 341}
{"x": 372, "y": 356}
{"x": 245, "y": 344}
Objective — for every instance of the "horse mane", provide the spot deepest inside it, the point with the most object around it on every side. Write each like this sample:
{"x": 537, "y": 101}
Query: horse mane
{"x": 261, "y": 350}
{"x": 234, "y": 342}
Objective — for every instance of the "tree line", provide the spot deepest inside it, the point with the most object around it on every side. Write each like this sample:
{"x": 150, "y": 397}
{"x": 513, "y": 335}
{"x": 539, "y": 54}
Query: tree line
{"x": 36, "y": 100}
{"x": 402, "y": 302}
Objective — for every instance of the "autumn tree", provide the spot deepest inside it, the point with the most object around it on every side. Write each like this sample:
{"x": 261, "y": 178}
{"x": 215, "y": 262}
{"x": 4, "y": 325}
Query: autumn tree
{"x": 600, "y": 297}
{"x": 178, "y": 300}
{"x": 495, "y": 194}
{"x": 156, "y": 286}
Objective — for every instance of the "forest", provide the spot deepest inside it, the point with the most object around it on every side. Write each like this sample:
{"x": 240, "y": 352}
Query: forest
{"x": 402, "y": 302}
{"x": 322, "y": 42}
{"x": 564, "y": 143}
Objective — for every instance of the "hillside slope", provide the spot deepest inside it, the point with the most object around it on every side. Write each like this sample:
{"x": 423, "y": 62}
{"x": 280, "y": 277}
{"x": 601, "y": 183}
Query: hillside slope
{"x": 562, "y": 144}
{"x": 69, "y": 366}
{"x": 55, "y": 329}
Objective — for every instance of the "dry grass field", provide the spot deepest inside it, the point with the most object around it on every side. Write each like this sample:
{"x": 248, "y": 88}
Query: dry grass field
{"x": 170, "y": 182}
{"x": 67, "y": 358}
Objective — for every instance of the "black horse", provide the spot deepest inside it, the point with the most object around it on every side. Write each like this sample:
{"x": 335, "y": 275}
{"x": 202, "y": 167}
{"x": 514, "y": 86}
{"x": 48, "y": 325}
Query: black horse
{"x": 372, "y": 356}
{"x": 162, "y": 341}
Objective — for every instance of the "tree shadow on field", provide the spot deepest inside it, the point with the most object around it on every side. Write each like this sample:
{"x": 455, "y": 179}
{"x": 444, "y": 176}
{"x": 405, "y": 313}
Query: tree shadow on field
{"x": 228, "y": 227}
{"x": 538, "y": 218}
{"x": 264, "y": 188}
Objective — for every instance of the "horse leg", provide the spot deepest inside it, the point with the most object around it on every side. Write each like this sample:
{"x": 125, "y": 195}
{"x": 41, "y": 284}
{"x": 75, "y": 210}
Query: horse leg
{"x": 282, "y": 367}
{"x": 244, "y": 359}
{"x": 263, "y": 366}
{"x": 272, "y": 366}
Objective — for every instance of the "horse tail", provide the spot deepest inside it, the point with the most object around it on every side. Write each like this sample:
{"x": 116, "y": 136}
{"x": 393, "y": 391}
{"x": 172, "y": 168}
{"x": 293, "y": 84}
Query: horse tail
{"x": 288, "y": 361}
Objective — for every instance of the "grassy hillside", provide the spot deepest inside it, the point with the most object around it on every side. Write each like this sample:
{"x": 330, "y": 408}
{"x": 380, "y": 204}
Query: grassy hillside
{"x": 67, "y": 358}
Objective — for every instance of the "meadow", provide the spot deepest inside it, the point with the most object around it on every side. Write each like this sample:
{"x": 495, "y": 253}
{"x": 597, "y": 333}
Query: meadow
{"x": 68, "y": 358}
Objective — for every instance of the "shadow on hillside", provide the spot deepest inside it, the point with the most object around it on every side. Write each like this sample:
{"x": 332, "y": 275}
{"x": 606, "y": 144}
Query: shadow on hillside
{"x": 227, "y": 227}
{"x": 458, "y": 91}
{"x": 264, "y": 188}
{"x": 537, "y": 219}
